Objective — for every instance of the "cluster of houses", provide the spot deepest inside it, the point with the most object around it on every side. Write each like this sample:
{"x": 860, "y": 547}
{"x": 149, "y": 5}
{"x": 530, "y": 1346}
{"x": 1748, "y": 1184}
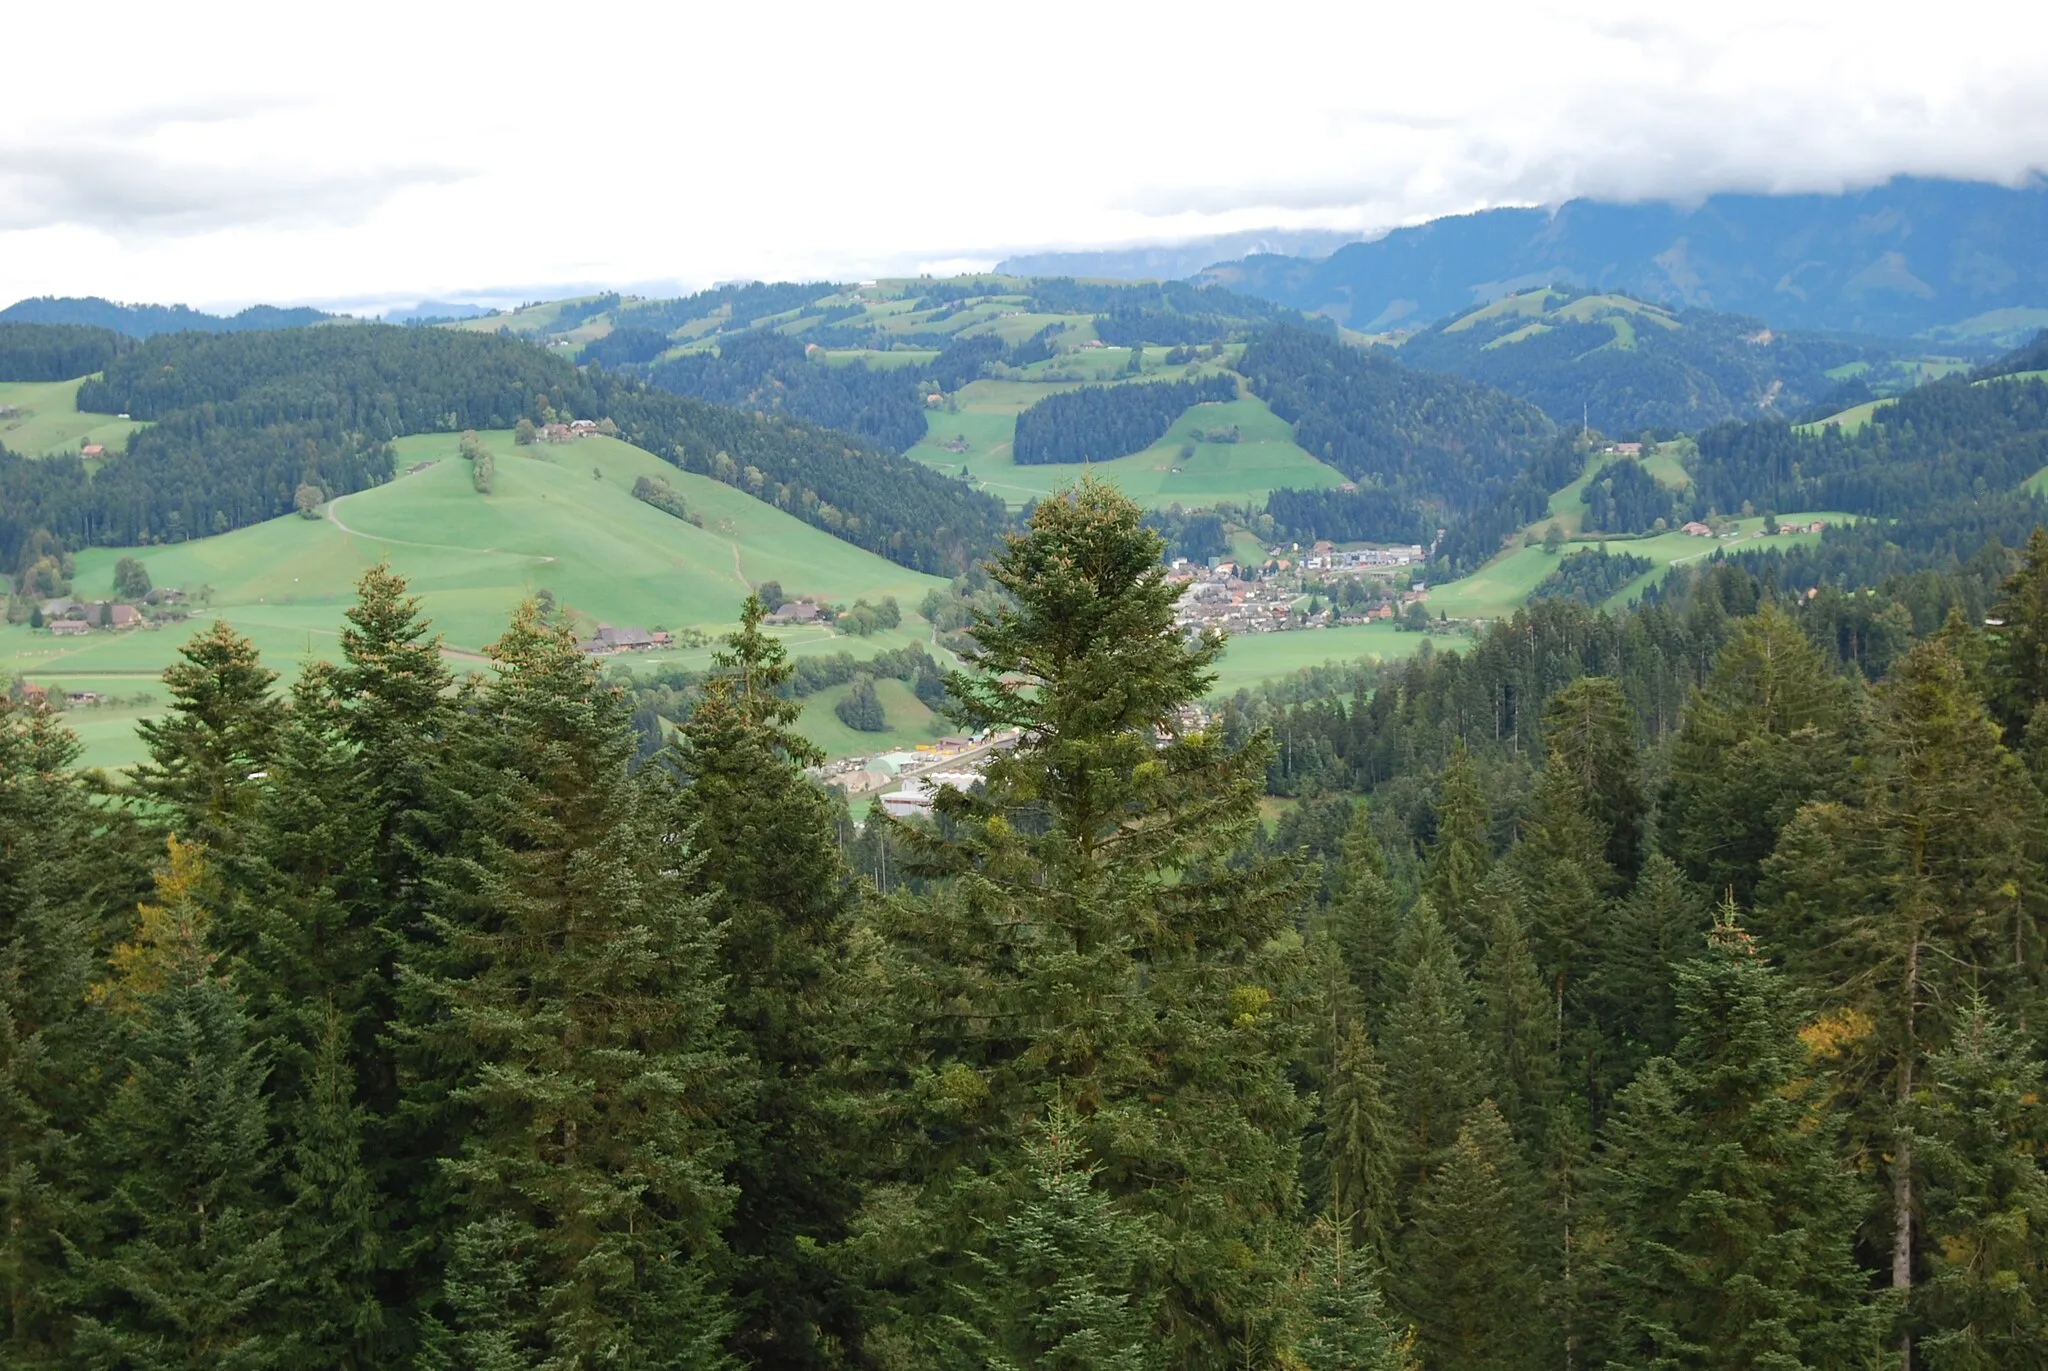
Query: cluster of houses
{"x": 1327, "y": 556}
{"x": 567, "y": 433}
{"x": 608, "y": 640}
{"x": 34, "y": 695}
{"x": 1235, "y": 601}
{"x": 1696, "y": 529}
{"x": 65, "y": 617}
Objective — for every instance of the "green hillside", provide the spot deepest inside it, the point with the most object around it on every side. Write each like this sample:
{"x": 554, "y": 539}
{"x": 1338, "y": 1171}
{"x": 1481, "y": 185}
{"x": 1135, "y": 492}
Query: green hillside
{"x": 976, "y": 437}
{"x": 562, "y": 518}
{"x": 46, "y": 419}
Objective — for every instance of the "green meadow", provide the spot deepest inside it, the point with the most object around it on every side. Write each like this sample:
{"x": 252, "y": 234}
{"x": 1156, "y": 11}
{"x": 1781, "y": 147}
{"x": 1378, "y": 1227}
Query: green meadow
{"x": 977, "y": 439}
{"x": 561, "y": 519}
{"x": 47, "y": 419}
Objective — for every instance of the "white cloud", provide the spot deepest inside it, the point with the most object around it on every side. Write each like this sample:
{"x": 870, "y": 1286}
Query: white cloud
{"x": 225, "y": 153}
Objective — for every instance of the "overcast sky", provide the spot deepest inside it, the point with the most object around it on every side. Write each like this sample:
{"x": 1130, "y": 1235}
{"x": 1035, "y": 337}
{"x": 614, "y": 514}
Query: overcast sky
{"x": 221, "y": 154}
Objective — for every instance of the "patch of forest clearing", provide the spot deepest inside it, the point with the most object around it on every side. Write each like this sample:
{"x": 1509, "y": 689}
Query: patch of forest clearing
{"x": 1231, "y": 452}
{"x": 38, "y": 418}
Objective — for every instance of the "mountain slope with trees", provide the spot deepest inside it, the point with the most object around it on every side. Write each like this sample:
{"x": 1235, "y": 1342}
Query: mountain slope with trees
{"x": 1663, "y": 989}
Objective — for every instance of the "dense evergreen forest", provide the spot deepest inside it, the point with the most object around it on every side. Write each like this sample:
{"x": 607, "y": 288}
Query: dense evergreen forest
{"x": 1624, "y": 498}
{"x": 1100, "y": 423}
{"x": 1655, "y": 991}
{"x": 1675, "y": 371}
{"x": 1940, "y": 442}
{"x": 243, "y": 419}
{"x": 764, "y": 370}
{"x": 56, "y": 352}
{"x": 1591, "y": 576}
{"x": 1426, "y": 451}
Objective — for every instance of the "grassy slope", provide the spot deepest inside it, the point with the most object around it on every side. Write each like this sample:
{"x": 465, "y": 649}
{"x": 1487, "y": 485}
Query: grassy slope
{"x": 1857, "y": 416}
{"x": 472, "y": 558}
{"x": 1264, "y": 459}
{"x": 50, "y": 420}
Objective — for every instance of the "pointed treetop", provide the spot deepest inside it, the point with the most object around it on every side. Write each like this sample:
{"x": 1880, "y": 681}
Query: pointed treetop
{"x": 169, "y": 946}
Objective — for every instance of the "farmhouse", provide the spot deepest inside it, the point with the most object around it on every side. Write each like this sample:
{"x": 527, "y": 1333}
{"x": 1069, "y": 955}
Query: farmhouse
{"x": 65, "y": 628}
{"x": 1696, "y": 529}
{"x": 91, "y": 450}
{"x": 796, "y": 612}
{"x": 1623, "y": 449}
{"x": 123, "y": 616}
{"x": 608, "y": 640}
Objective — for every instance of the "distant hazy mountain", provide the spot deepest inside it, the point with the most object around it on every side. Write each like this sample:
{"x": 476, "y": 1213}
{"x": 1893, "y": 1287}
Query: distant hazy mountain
{"x": 1952, "y": 258}
{"x": 436, "y": 310}
{"x": 144, "y": 321}
{"x": 1175, "y": 261}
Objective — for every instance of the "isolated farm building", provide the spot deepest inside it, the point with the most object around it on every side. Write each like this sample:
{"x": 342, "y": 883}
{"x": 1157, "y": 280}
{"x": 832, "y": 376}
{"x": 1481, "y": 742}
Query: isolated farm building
{"x": 1625, "y": 449}
{"x": 163, "y": 595}
{"x": 1696, "y": 529}
{"x": 81, "y": 697}
{"x": 123, "y": 616}
{"x": 795, "y": 612}
{"x": 624, "y": 639}
{"x": 92, "y": 450}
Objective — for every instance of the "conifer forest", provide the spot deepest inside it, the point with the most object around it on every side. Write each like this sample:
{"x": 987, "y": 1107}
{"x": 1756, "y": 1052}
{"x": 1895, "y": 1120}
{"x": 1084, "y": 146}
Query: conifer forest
{"x": 1658, "y": 991}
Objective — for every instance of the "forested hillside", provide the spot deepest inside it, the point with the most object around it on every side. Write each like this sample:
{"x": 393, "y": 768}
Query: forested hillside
{"x": 1943, "y": 441}
{"x": 1626, "y": 366}
{"x": 1425, "y": 451}
{"x": 1101, "y": 423}
{"x": 1665, "y": 990}
{"x": 766, "y": 371}
{"x": 242, "y": 420}
{"x": 1912, "y": 255}
{"x": 146, "y": 321}
{"x": 56, "y": 352}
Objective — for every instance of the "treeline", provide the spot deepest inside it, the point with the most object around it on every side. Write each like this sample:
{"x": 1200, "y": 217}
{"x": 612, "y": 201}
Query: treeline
{"x": 147, "y": 321}
{"x": 1426, "y": 452}
{"x": 56, "y": 352}
{"x": 235, "y": 413}
{"x": 1941, "y": 442}
{"x": 1167, "y": 313}
{"x": 1623, "y": 497}
{"x": 1591, "y": 576}
{"x": 766, "y": 371}
{"x": 1100, "y": 423}
{"x": 1709, "y": 368}
{"x": 1601, "y": 1034}
{"x": 743, "y": 305}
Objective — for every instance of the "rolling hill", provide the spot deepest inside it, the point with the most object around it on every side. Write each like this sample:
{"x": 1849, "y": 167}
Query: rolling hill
{"x": 1953, "y": 260}
{"x": 562, "y": 518}
{"x": 146, "y": 321}
{"x": 1626, "y": 365}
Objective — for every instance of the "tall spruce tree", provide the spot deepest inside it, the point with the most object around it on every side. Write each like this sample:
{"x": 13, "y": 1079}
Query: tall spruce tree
{"x": 1053, "y": 1284}
{"x": 1434, "y": 1070}
{"x": 1461, "y": 853}
{"x": 1900, "y": 902}
{"x": 1515, "y": 1026}
{"x": 781, "y": 901}
{"x": 1363, "y": 918}
{"x": 1733, "y": 1219}
{"x": 1589, "y": 743}
{"x": 1467, "y": 1278}
{"x": 563, "y": 1022}
{"x": 2019, "y": 642}
{"x": 1346, "y": 1324}
{"x": 206, "y": 754}
{"x": 1112, "y": 957}
{"x": 1768, "y": 731}
{"x": 1361, "y": 1150}
{"x": 184, "y": 1267}
{"x": 1982, "y": 1129}
{"x": 68, "y": 863}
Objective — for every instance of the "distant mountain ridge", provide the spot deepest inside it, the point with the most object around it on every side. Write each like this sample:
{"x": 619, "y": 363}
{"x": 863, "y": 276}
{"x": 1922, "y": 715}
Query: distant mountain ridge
{"x": 146, "y": 321}
{"x": 1913, "y": 256}
{"x": 1176, "y": 261}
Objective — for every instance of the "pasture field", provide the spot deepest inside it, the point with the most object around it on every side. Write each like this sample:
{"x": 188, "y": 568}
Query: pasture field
{"x": 50, "y": 421}
{"x": 978, "y": 438}
{"x": 1504, "y": 584}
{"x": 909, "y": 722}
{"x": 562, "y": 519}
{"x": 1250, "y": 658}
